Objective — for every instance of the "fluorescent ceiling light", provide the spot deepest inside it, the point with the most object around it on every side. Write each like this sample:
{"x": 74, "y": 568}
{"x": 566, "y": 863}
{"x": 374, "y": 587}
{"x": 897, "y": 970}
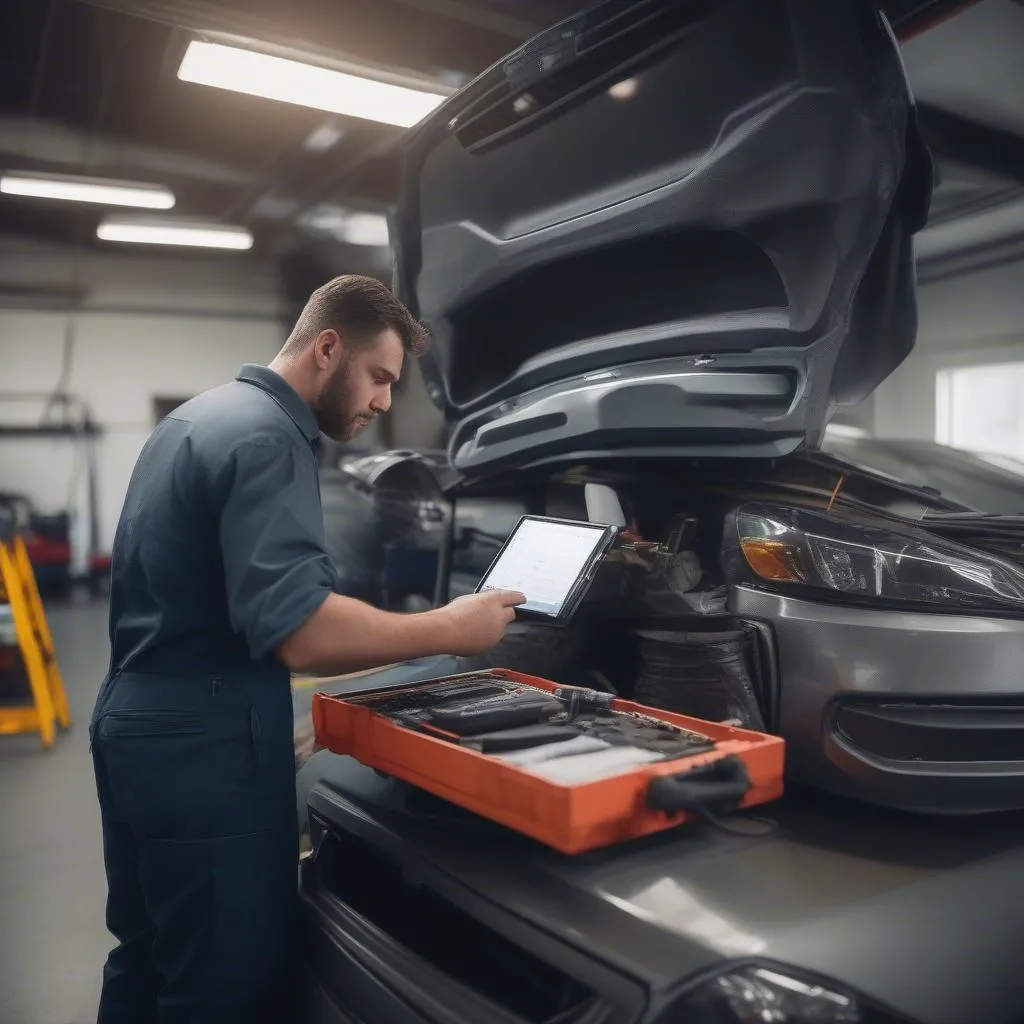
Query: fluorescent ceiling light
{"x": 348, "y": 226}
{"x": 291, "y": 81}
{"x": 87, "y": 190}
{"x": 366, "y": 229}
{"x": 169, "y": 232}
{"x": 321, "y": 139}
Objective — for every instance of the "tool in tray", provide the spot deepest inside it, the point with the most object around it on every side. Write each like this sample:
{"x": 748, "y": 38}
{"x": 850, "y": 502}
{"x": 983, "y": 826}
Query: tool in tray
{"x": 573, "y": 768}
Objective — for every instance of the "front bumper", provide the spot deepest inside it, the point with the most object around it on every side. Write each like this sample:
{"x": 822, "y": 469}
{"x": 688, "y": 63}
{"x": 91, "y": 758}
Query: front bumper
{"x": 895, "y": 707}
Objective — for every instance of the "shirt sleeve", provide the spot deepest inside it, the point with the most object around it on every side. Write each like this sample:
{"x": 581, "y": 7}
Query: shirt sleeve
{"x": 276, "y": 569}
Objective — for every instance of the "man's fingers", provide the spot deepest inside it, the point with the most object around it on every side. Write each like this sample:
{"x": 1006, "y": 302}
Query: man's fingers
{"x": 510, "y": 598}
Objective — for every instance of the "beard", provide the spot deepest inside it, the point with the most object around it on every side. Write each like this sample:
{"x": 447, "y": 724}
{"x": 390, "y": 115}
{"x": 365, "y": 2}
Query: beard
{"x": 334, "y": 408}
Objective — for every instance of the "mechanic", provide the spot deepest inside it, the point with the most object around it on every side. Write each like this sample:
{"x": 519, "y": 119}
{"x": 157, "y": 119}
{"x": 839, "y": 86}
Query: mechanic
{"x": 220, "y": 587}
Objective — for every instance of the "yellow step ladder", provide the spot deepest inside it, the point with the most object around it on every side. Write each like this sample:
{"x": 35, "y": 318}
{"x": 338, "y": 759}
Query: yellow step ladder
{"x": 49, "y": 707}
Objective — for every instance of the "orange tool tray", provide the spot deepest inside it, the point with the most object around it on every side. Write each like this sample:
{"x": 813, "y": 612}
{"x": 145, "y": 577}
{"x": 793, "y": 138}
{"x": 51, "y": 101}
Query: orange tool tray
{"x": 571, "y": 818}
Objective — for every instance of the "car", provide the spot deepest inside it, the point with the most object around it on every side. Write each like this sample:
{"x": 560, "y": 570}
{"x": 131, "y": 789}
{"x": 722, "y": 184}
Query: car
{"x": 672, "y": 324}
{"x": 384, "y": 523}
{"x": 387, "y": 518}
{"x": 46, "y": 539}
{"x": 657, "y": 247}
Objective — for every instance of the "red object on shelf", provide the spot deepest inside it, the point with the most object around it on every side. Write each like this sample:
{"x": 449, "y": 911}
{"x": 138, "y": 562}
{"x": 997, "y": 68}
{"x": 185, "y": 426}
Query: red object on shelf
{"x": 571, "y": 818}
{"x": 43, "y": 551}
{"x": 99, "y": 563}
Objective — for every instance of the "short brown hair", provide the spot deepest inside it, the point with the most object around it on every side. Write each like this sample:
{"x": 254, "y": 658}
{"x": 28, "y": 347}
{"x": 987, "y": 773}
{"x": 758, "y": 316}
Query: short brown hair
{"x": 358, "y": 308}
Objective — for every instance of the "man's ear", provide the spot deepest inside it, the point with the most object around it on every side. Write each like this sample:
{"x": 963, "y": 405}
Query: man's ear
{"x": 327, "y": 349}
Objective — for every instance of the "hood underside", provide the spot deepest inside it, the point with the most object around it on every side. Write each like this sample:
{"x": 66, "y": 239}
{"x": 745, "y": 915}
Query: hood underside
{"x": 666, "y": 224}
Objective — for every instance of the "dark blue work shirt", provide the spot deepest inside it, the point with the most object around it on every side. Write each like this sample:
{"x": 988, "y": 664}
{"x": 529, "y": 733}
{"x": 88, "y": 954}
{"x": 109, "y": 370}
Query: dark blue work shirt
{"x": 219, "y": 553}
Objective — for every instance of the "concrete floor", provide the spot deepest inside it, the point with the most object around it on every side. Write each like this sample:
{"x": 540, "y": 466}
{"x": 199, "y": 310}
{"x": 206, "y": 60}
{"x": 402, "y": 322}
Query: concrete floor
{"x": 53, "y": 940}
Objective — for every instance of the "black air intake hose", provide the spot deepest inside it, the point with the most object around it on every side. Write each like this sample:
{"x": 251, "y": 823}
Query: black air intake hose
{"x": 703, "y": 675}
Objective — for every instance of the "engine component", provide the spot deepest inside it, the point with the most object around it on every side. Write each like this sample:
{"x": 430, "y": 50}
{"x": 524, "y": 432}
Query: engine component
{"x": 703, "y": 675}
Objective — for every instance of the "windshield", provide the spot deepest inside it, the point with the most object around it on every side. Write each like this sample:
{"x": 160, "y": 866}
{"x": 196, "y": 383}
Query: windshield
{"x": 986, "y": 483}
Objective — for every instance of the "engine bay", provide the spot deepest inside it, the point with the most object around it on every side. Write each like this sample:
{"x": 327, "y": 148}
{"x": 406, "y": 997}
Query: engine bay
{"x": 655, "y": 626}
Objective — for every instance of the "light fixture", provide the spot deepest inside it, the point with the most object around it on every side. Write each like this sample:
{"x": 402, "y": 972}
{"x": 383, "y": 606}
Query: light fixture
{"x": 107, "y": 192}
{"x": 199, "y": 234}
{"x": 293, "y": 81}
{"x": 321, "y": 139}
{"x": 366, "y": 229}
{"x": 348, "y": 226}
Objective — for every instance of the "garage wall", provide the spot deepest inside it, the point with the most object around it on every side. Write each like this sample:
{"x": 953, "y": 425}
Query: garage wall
{"x": 967, "y": 320}
{"x": 149, "y": 327}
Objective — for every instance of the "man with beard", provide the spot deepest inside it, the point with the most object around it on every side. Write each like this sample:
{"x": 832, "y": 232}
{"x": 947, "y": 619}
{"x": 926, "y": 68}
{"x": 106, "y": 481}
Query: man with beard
{"x": 221, "y": 586}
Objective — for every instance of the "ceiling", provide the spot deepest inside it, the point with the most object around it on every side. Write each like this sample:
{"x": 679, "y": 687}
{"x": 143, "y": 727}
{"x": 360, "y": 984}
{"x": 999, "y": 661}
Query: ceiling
{"x": 90, "y": 87}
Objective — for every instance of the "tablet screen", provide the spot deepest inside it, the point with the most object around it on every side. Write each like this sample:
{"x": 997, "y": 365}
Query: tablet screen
{"x": 543, "y": 560}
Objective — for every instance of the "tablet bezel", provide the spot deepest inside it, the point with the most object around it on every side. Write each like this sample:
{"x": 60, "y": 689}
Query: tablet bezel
{"x": 583, "y": 580}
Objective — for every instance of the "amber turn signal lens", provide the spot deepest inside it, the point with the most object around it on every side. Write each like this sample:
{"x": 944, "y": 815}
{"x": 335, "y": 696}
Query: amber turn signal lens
{"x": 774, "y": 559}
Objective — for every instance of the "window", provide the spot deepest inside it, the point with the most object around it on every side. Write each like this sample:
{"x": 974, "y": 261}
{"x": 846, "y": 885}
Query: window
{"x": 164, "y": 406}
{"x": 981, "y": 408}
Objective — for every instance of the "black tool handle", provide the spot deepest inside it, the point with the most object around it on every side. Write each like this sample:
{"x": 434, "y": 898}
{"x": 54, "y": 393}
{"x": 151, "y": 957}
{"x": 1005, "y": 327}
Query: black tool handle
{"x": 522, "y": 738}
{"x": 722, "y": 782}
{"x": 491, "y": 716}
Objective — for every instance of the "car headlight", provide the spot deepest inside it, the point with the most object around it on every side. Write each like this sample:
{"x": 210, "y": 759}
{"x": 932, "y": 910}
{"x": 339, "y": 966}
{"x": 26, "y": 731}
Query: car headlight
{"x": 795, "y": 548}
{"x": 762, "y": 994}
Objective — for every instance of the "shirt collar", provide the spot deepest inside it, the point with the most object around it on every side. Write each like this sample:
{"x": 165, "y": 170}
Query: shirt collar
{"x": 285, "y": 395}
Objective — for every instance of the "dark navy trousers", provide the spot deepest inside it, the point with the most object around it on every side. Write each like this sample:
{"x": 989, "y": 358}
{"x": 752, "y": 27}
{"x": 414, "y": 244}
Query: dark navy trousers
{"x": 196, "y": 783}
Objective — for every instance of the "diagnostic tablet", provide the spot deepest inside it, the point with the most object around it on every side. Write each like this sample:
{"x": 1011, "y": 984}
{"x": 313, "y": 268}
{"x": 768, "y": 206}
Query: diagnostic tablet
{"x": 551, "y": 562}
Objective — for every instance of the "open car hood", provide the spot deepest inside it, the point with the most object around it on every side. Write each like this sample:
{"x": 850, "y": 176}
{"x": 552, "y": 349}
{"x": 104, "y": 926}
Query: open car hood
{"x": 666, "y": 225}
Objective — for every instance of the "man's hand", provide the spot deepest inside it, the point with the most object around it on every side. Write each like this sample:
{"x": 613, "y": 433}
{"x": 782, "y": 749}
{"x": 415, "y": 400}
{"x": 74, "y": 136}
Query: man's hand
{"x": 477, "y": 622}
